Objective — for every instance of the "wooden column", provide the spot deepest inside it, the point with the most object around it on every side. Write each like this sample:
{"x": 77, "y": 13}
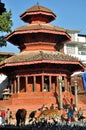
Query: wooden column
{"x": 60, "y": 93}
{"x": 42, "y": 82}
{"x": 76, "y": 94}
{"x": 15, "y": 86}
{"x": 56, "y": 83}
{"x": 68, "y": 83}
{"x": 49, "y": 83}
{"x": 18, "y": 79}
{"x": 34, "y": 80}
{"x": 68, "y": 86}
{"x": 11, "y": 88}
{"x": 26, "y": 82}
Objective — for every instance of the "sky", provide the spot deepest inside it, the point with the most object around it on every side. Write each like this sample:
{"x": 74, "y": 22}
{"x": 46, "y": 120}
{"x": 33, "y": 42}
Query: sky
{"x": 71, "y": 14}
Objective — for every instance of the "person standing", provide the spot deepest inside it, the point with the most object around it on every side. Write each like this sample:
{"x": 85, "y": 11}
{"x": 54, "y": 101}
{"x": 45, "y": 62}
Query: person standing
{"x": 8, "y": 116}
{"x": 52, "y": 107}
{"x": 3, "y": 114}
{"x": 70, "y": 114}
{"x": 80, "y": 114}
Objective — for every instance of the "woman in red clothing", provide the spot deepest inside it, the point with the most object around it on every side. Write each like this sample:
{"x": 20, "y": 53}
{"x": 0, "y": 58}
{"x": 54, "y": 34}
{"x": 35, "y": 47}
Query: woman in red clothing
{"x": 3, "y": 114}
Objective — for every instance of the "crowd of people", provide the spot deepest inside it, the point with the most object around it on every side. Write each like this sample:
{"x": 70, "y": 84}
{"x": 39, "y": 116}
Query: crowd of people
{"x": 71, "y": 118}
{"x": 71, "y": 112}
{"x": 72, "y": 115}
{"x": 51, "y": 124}
{"x": 5, "y": 116}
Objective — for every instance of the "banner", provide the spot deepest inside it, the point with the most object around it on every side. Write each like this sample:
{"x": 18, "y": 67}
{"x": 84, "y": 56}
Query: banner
{"x": 84, "y": 80}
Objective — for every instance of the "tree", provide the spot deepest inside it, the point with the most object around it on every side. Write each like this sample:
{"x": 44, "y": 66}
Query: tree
{"x": 5, "y": 24}
{"x": 2, "y": 8}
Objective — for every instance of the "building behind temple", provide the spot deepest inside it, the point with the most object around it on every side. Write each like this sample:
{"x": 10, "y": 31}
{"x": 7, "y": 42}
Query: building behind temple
{"x": 77, "y": 46}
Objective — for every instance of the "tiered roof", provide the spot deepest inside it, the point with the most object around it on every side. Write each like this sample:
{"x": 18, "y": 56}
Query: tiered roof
{"x": 19, "y": 37}
{"x": 35, "y": 57}
{"x": 38, "y": 17}
{"x": 40, "y": 11}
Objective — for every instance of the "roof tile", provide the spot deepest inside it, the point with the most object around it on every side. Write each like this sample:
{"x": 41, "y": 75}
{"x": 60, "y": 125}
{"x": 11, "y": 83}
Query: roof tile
{"x": 29, "y": 56}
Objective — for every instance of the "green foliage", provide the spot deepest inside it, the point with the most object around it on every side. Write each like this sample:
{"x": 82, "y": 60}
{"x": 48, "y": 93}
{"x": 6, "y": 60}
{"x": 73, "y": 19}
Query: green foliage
{"x": 6, "y": 22}
{"x": 2, "y": 41}
{"x": 3, "y": 58}
{"x": 2, "y": 8}
{"x": 5, "y": 25}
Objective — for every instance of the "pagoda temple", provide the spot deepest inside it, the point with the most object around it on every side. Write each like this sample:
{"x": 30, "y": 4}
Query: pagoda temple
{"x": 41, "y": 72}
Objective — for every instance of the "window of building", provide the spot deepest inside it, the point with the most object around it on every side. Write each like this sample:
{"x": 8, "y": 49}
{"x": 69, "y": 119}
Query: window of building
{"x": 70, "y": 49}
{"x": 81, "y": 51}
